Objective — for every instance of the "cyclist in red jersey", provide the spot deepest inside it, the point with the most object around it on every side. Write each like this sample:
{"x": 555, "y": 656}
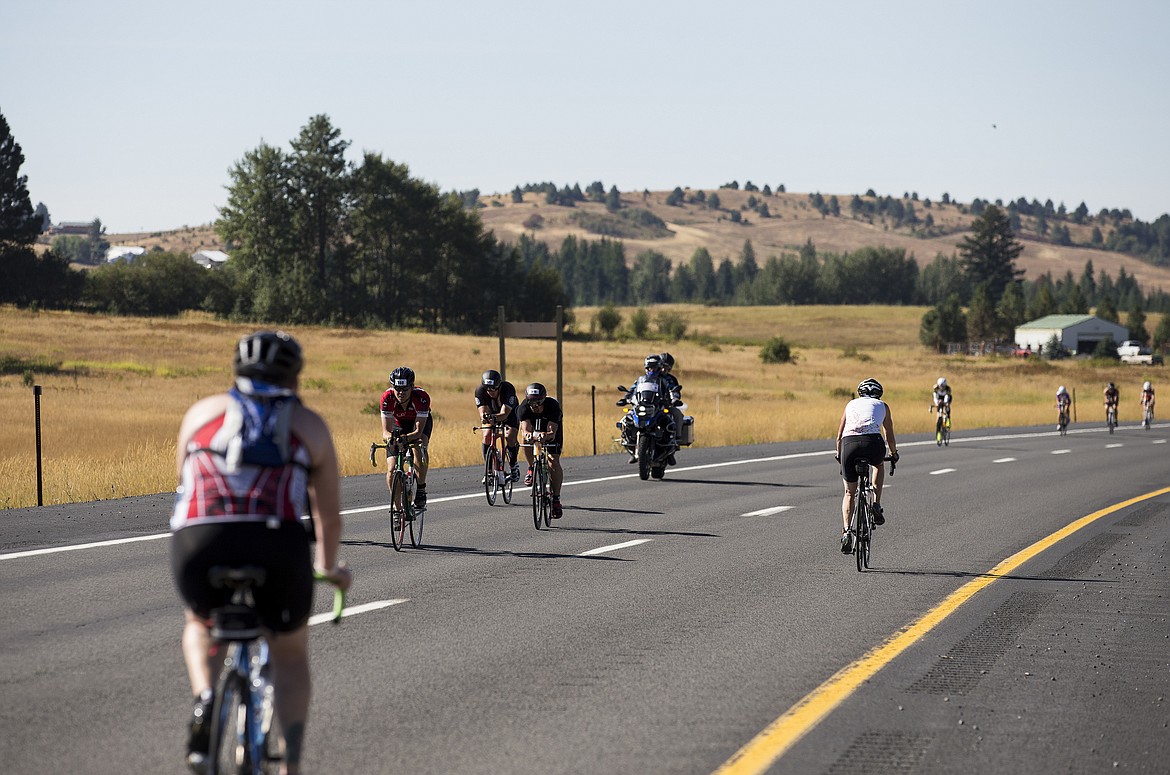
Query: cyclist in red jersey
{"x": 408, "y": 409}
{"x": 250, "y": 462}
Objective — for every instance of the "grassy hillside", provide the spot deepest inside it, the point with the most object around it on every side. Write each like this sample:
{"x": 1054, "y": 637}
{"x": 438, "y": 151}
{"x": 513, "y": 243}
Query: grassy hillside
{"x": 793, "y": 222}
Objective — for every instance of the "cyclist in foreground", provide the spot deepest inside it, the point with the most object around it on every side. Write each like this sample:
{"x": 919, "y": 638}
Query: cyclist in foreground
{"x": 407, "y": 408}
{"x": 1112, "y": 399}
{"x": 1147, "y": 399}
{"x": 1063, "y": 403}
{"x": 864, "y": 422}
{"x": 540, "y": 418}
{"x": 250, "y": 462}
{"x": 497, "y": 403}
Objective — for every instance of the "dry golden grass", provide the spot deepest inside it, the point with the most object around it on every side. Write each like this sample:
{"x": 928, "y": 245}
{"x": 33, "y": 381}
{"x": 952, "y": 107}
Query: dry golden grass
{"x": 112, "y": 401}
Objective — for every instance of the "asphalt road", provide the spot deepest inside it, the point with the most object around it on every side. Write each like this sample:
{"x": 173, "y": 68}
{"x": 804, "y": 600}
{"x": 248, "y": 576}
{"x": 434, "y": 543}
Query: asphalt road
{"x": 715, "y": 625}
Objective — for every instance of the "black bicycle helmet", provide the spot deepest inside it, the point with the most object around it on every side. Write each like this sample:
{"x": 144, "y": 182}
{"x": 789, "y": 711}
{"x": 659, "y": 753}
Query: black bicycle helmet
{"x": 269, "y": 356}
{"x": 535, "y": 392}
{"x": 667, "y": 361}
{"x": 870, "y": 388}
{"x": 653, "y": 362}
{"x": 491, "y": 379}
{"x": 402, "y": 377}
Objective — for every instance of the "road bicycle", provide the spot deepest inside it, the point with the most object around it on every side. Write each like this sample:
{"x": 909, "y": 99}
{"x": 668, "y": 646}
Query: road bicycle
{"x": 1148, "y": 416}
{"x": 541, "y": 489}
{"x": 861, "y": 523}
{"x": 942, "y": 428}
{"x": 403, "y": 480}
{"x": 497, "y": 476}
{"x": 1111, "y": 416}
{"x": 242, "y": 738}
{"x": 1062, "y": 422}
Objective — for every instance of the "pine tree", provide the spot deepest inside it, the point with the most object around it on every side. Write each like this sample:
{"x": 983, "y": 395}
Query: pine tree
{"x": 989, "y": 253}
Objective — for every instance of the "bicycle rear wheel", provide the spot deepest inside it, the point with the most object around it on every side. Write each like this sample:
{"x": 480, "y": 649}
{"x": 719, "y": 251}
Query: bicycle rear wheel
{"x": 229, "y": 749}
{"x": 399, "y": 500}
{"x": 506, "y": 468}
{"x": 415, "y": 517}
{"x": 861, "y": 534}
{"x": 491, "y": 482}
{"x": 546, "y": 497}
{"x": 537, "y": 492}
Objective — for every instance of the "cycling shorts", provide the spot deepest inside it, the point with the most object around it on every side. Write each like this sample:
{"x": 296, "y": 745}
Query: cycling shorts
{"x": 870, "y": 446}
{"x": 286, "y": 597}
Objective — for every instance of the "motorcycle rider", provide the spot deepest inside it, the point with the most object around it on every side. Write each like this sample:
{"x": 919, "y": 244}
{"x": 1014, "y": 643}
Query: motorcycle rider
{"x": 670, "y": 391}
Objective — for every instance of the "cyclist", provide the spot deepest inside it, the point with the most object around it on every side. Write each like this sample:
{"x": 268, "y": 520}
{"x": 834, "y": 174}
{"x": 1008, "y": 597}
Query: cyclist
{"x": 408, "y": 409}
{"x": 540, "y": 418}
{"x": 1063, "y": 402}
{"x": 865, "y": 420}
{"x": 496, "y": 400}
{"x": 941, "y": 400}
{"x": 250, "y": 462}
{"x": 1147, "y": 399}
{"x": 1112, "y": 398}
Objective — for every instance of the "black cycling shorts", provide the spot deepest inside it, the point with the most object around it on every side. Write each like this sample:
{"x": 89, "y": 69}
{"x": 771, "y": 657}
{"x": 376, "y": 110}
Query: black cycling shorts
{"x": 285, "y": 599}
{"x": 871, "y": 446}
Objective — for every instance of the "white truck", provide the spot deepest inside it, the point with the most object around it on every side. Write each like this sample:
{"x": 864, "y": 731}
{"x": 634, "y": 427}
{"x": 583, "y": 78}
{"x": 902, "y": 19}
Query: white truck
{"x": 1133, "y": 351}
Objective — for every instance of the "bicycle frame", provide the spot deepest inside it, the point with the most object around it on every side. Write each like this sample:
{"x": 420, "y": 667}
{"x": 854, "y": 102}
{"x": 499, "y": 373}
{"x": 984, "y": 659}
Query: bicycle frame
{"x": 541, "y": 492}
{"x": 861, "y": 521}
{"x": 498, "y": 477}
{"x": 403, "y": 478}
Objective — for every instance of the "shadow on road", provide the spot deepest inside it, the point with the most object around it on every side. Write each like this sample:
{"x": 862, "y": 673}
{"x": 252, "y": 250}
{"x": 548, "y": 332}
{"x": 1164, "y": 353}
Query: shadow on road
{"x": 671, "y": 480}
{"x": 969, "y": 575}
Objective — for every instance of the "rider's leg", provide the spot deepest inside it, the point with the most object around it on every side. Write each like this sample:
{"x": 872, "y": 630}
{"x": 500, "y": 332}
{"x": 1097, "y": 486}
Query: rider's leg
{"x": 196, "y": 652}
{"x": 421, "y": 462}
{"x": 511, "y": 443}
{"x": 847, "y": 503}
{"x": 288, "y": 653}
{"x": 879, "y": 476}
{"x": 556, "y": 475}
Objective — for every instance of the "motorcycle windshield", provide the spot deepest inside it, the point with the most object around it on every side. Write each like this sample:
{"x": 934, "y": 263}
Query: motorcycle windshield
{"x": 646, "y": 397}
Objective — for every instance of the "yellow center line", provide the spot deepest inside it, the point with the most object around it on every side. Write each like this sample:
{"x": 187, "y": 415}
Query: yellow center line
{"x": 762, "y": 751}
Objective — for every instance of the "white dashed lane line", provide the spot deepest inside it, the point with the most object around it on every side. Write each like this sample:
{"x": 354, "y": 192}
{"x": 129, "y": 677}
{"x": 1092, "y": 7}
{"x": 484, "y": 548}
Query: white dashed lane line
{"x": 613, "y": 547}
{"x": 1061, "y": 451}
{"x": 1113, "y": 446}
{"x": 1005, "y": 460}
{"x": 377, "y": 605}
{"x": 766, "y": 512}
{"x": 943, "y": 471}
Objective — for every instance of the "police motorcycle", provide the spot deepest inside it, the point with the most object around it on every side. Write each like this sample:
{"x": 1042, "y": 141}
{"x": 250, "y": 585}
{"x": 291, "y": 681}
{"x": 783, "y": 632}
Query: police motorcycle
{"x": 647, "y": 428}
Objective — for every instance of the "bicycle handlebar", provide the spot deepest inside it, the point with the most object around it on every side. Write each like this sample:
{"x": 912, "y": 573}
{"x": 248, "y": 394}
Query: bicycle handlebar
{"x": 338, "y": 596}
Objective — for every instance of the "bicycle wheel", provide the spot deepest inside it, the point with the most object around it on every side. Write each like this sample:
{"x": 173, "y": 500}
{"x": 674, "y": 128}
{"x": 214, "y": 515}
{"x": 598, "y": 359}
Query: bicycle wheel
{"x": 938, "y": 431}
{"x": 491, "y": 482}
{"x": 415, "y": 517}
{"x": 546, "y": 497}
{"x": 399, "y": 502}
{"x": 229, "y": 750}
{"x": 508, "y": 483}
{"x": 537, "y": 493}
{"x": 861, "y": 526}
{"x": 947, "y": 433}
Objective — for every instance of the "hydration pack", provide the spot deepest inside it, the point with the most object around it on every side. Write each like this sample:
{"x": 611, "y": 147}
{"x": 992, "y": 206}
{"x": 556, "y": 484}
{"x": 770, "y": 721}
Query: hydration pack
{"x": 256, "y": 431}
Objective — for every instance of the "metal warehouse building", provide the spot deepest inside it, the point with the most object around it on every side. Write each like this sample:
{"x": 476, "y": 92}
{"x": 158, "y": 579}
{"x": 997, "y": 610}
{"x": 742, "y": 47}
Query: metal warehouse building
{"x": 1079, "y": 334}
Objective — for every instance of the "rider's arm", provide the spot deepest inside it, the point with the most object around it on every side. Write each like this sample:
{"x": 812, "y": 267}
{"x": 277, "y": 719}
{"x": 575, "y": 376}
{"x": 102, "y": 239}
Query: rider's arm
{"x": 888, "y": 427}
{"x": 324, "y": 495}
{"x": 840, "y": 432}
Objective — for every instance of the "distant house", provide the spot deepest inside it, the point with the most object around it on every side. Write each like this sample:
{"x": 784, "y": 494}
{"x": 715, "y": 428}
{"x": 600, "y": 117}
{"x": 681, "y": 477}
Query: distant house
{"x": 127, "y": 253}
{"x": 71, "y": 227}
{"x": 210, "y": 258}
{"x": 1079, "y": 334}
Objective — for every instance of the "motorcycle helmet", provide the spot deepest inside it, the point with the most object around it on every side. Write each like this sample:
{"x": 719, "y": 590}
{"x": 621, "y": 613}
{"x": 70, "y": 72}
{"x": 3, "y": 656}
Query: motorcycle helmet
{"x": 870, "y": 388}
{"x": 667, "y": 361}
{"x": 653, "y": 362}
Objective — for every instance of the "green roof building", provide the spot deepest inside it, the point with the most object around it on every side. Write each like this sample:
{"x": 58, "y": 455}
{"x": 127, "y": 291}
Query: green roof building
{"x": 1079, "y": 334}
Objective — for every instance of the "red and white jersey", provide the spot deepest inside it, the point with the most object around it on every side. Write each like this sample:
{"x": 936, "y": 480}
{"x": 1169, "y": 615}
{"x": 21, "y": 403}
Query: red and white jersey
{"x": 1147, "y": 396}
{"x": 211, "y": 493}
{"x": 416, "y": 410}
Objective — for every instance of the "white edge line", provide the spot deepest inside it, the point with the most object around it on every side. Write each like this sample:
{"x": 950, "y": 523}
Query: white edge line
{"x": 614, "y": 547}
{"x": 767, "y": 512}
{"x": 748, "y": 461}
{"x": 355, "y": 610}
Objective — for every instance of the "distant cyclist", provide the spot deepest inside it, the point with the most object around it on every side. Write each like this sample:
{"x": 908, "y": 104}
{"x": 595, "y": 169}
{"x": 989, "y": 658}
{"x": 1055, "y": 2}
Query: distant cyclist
{"x": 250, "y": 462}
{"x": 541, "y": 420}
{"x": 864, "y": 422}
{"x": 1112, "y": 398}
{"x": 407, "y": 408}
{"x": 941, "y": 400}
{"x": 497, "y": 403}
{"x": 1147, "y": 399}
{"x": 1063, "y": 403}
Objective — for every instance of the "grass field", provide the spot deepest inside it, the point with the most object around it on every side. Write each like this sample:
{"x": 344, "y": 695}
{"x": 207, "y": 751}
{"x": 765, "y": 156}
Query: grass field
{"x": 115, "y": 388}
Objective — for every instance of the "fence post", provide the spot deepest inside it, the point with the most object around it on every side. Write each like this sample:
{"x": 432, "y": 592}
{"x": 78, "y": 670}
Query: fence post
{"x": 37, "y": 405}
{"x": 593, "y": 411}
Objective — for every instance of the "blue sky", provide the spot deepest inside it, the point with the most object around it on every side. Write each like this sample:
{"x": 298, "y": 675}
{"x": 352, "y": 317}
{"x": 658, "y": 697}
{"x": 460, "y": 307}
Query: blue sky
{"x": 135, "y": 111}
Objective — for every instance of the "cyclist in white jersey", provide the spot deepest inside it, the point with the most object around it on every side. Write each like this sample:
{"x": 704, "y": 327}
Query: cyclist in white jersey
{"x": 864, "y": 422}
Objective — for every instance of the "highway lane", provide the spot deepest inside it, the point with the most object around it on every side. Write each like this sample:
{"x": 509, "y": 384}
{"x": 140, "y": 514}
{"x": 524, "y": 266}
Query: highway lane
{"x": 514, "y": 653}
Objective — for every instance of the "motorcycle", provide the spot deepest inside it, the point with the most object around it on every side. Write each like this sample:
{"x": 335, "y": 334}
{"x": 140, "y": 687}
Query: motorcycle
{"x": 647, "y": 428}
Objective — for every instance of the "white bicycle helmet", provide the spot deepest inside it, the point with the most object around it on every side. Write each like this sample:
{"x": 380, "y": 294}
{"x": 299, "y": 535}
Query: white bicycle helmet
{"x": 1146, "y": 386}
{"x": 942, "y": 382}
{"x": 1060, "y": 391}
